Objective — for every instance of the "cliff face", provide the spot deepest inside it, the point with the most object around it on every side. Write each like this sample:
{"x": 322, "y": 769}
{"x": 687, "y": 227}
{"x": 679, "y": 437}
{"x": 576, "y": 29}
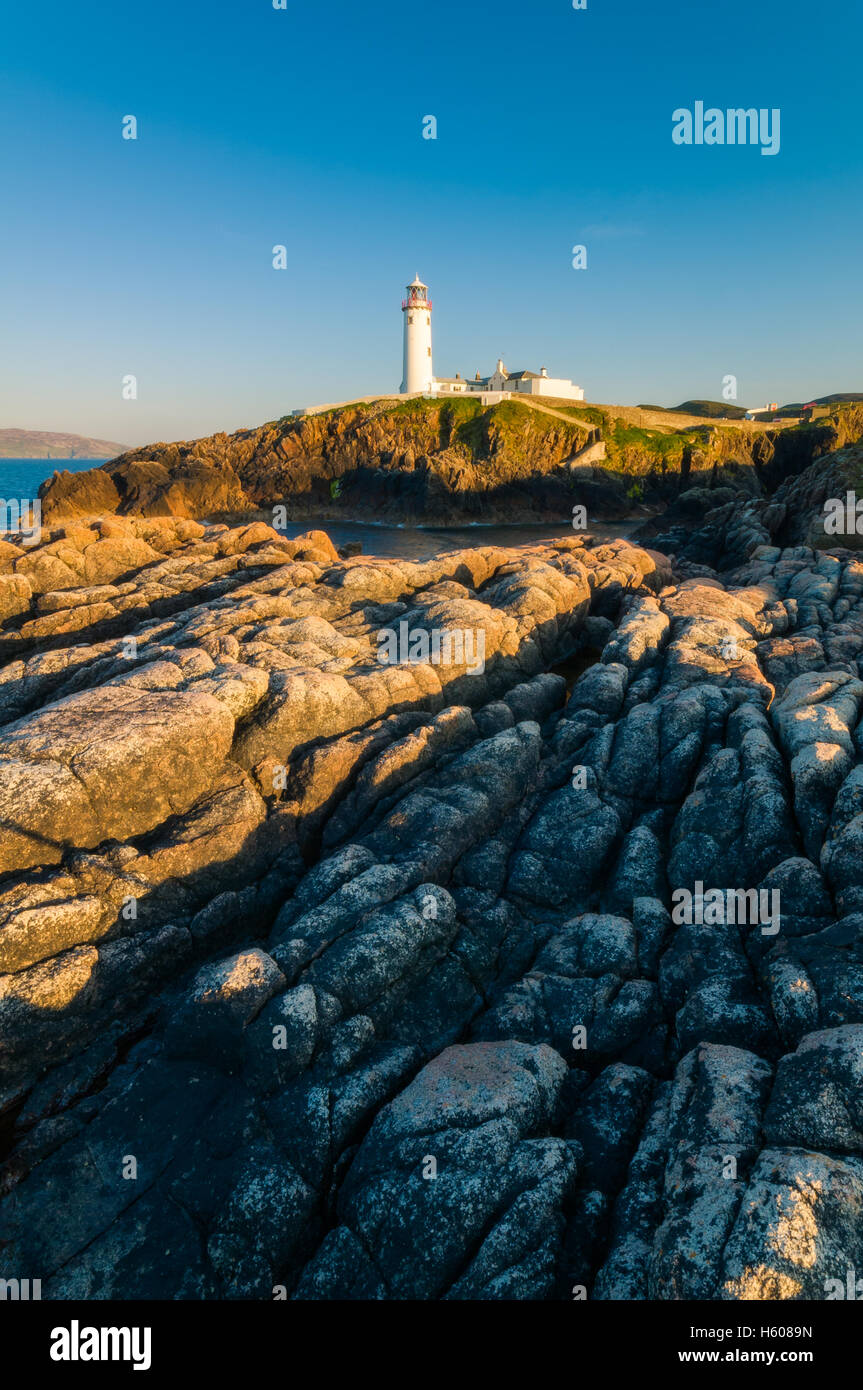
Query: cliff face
{"x": 429, "y": 461}
{"x": 404, "y": 461}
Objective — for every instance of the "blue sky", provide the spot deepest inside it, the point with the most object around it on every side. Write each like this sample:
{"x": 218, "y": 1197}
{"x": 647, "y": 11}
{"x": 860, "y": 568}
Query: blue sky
{"x": 303, "y": 127}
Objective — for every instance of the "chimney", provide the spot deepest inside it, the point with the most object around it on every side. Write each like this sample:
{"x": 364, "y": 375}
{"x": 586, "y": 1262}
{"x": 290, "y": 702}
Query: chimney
{"x": 543, "y": 371}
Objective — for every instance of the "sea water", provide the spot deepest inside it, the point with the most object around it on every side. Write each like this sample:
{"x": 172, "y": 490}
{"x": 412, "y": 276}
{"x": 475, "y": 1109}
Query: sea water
{"x": 20, "y": 480}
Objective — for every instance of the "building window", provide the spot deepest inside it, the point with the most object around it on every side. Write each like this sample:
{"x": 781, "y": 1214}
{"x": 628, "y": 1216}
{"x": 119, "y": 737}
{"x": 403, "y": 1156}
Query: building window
{"x": 429, "y": 352}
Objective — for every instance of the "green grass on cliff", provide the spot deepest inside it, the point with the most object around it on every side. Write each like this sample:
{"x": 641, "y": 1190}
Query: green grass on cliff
{"x": 463, "y": 408}
{"x": 467, "y": 422}
{"x": 586, "y": 414}
{"x": 623, "y": 437}
{"x": 515, "y": 413}
{"x": 632, "y": 448}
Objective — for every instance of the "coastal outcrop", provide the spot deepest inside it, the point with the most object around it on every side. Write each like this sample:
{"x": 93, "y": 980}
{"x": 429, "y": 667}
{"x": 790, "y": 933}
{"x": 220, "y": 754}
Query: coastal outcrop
{"x": 528, "y": 966}
{"x": 457, "y": 461}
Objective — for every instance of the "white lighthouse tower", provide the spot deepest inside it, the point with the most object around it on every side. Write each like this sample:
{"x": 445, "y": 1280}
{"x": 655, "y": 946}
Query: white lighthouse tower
{"x": 417, "y": 309}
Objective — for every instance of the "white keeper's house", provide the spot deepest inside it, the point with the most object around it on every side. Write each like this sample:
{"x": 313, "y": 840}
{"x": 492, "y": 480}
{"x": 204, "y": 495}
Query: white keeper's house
{"x": 418, "y": 375}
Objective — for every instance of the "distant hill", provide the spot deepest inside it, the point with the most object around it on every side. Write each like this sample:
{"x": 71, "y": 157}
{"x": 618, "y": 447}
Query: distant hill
{"x": 708, "y": 410}
{"x": 43, "y": 444}
{"x": 719, "y": 410}
{"x": 841, "y": 398}
{"x": 712, "y": 410}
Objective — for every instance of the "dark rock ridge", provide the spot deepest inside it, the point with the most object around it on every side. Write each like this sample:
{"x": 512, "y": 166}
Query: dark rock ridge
{"x": 731, "y": 529}
{"x": 445, "y": 462}
{"x": 322, "y": 978}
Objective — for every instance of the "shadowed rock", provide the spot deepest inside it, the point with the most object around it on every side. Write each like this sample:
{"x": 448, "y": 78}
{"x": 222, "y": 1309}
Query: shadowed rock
{"x": 393, "y": 977}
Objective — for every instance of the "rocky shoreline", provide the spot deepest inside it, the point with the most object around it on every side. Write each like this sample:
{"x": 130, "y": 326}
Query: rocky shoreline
{"x": 323, "y": 977}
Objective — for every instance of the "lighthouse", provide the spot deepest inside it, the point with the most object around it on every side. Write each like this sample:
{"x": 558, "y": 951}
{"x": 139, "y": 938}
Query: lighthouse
{"x": 417, "y": 309}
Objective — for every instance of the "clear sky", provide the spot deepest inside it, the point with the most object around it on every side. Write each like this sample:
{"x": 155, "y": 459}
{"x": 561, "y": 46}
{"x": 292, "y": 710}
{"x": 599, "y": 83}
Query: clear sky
{"x": 304, "y": 127}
